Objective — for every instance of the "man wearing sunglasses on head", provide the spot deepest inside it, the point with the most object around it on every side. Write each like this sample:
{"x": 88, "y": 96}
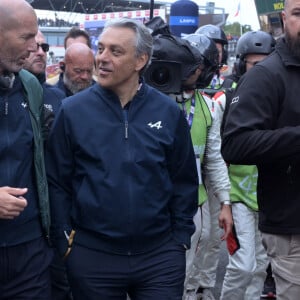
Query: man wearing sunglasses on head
{"x": 36, "y": 64}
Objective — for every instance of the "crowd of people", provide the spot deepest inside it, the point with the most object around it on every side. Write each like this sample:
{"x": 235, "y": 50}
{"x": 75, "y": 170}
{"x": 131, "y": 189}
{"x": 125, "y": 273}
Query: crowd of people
{"x": 115, "y": 186}
{"x": 55, "y": 23}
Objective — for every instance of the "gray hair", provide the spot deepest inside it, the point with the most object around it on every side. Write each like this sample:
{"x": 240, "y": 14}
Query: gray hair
{"x": 144, "y": 40}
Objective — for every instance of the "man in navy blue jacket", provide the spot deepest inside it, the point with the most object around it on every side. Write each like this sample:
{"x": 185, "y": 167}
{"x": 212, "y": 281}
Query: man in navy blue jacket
{"x": 123, "y": 178}
{"x": 52, "y": 96}
{"x": 24, "y": 208}
{"x": 36, "y": 64}
{"x": 78, "y": 66}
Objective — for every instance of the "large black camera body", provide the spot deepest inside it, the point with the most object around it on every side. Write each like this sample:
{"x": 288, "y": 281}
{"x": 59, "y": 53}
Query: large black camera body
{"x": 165, "y": 76}
{"x": 173, "y": 61}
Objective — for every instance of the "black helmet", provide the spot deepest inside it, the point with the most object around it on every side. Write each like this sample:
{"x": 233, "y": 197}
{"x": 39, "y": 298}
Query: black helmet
{"x": 255, "y": 42}
{"x": 252, "y": 42}
{"x": 214, "y": 32}
{"x": 210, "y": 54}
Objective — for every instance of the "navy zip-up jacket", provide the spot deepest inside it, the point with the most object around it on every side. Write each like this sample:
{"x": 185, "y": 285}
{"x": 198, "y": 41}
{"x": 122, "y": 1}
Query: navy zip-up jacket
{"x": 52, "y": 95}
{"x": 124, "y": 180}
{"x": 16, "y": 166}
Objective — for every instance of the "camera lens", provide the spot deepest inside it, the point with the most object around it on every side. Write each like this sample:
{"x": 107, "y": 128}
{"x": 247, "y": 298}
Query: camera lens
{"x": 161, "y": 76}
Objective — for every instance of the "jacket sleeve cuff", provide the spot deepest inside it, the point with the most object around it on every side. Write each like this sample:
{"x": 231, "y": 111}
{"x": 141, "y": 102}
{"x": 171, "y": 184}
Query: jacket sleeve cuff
{"x": 223, "y": 196}
{"x": 182, "y": 238}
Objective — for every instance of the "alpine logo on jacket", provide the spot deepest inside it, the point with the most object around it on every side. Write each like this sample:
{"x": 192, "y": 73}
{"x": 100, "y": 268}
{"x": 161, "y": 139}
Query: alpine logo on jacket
{"x": 235, "y": 100}
{"x": 156, "y": 125}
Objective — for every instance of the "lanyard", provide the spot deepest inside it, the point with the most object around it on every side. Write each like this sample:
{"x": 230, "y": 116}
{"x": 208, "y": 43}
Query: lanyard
{"x": 189, "y": 117}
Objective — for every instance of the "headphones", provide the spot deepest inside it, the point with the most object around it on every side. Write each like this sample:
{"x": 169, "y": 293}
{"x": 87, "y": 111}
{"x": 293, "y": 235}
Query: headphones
{"x": 62, "y": 65}
{"x": 224, "y": 55}
{"x": 241, "y": 65}
{"x": 205, "y": 77}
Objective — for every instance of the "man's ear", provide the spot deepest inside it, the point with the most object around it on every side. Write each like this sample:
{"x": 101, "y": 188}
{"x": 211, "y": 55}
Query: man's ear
{"x": 141, "y": 62}
{"x": 199, "y": 70}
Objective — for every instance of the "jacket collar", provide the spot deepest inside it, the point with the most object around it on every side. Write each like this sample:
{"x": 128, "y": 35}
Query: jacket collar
{"x": 108, "y": 94}
{"x": 287, "y": 58}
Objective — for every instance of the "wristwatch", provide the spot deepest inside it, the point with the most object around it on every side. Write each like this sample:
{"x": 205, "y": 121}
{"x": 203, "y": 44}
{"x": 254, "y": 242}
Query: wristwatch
{"x": 226, "y": 202}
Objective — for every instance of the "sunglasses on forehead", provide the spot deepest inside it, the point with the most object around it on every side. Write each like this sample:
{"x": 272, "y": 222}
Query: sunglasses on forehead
{"x": 44, "y": 46}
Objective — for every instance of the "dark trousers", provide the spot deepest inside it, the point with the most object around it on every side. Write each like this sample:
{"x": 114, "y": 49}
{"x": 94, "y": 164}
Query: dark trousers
{"x": 24, "y": 271}
{"x": 95, "y": 275}
{"x": 60, "y": 288}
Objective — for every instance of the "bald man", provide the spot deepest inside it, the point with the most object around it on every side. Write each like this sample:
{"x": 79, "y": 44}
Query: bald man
{"x": 78, "y": 68}
{"x": 74, "y": 35}
{"x": 24, "y": 207}
{"x": 18, "y": 29}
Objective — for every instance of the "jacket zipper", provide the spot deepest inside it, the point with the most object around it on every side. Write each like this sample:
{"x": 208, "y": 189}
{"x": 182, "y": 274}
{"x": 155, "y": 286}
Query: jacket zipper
{"x": 125, "y": 114}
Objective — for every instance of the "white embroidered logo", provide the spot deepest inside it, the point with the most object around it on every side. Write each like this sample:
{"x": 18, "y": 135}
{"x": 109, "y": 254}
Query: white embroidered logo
{"x": 24, "y": 104}
{"x": 49, "y": 107}
{"x": 235, "y": 100}
{"x": 157, "y": 125}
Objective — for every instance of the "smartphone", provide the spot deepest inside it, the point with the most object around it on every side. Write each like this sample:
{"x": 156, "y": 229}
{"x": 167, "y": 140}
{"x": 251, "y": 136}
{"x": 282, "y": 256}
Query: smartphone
{"x": 232, "y": 241}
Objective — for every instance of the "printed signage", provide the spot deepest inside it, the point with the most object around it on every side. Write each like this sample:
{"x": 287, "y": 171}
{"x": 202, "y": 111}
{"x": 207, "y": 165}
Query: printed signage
{"x": 269, "y": 6}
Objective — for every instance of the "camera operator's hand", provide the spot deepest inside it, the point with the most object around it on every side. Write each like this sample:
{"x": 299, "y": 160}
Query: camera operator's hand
{"x": 12, "y": 202}
{"x": 225, "y": 220}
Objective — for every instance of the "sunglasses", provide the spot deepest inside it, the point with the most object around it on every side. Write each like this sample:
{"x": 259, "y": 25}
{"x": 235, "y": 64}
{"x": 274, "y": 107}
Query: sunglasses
{"x": 44, "y": 46}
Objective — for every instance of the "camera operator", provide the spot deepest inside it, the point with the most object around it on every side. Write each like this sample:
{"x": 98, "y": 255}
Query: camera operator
{"x": 197, "y": 57}
{"x": 219, "y": 82}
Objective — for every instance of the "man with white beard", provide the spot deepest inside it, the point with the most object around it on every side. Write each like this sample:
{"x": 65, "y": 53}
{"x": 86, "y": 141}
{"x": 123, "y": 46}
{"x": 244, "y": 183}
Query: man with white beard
{"x": 78, "y": 67}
